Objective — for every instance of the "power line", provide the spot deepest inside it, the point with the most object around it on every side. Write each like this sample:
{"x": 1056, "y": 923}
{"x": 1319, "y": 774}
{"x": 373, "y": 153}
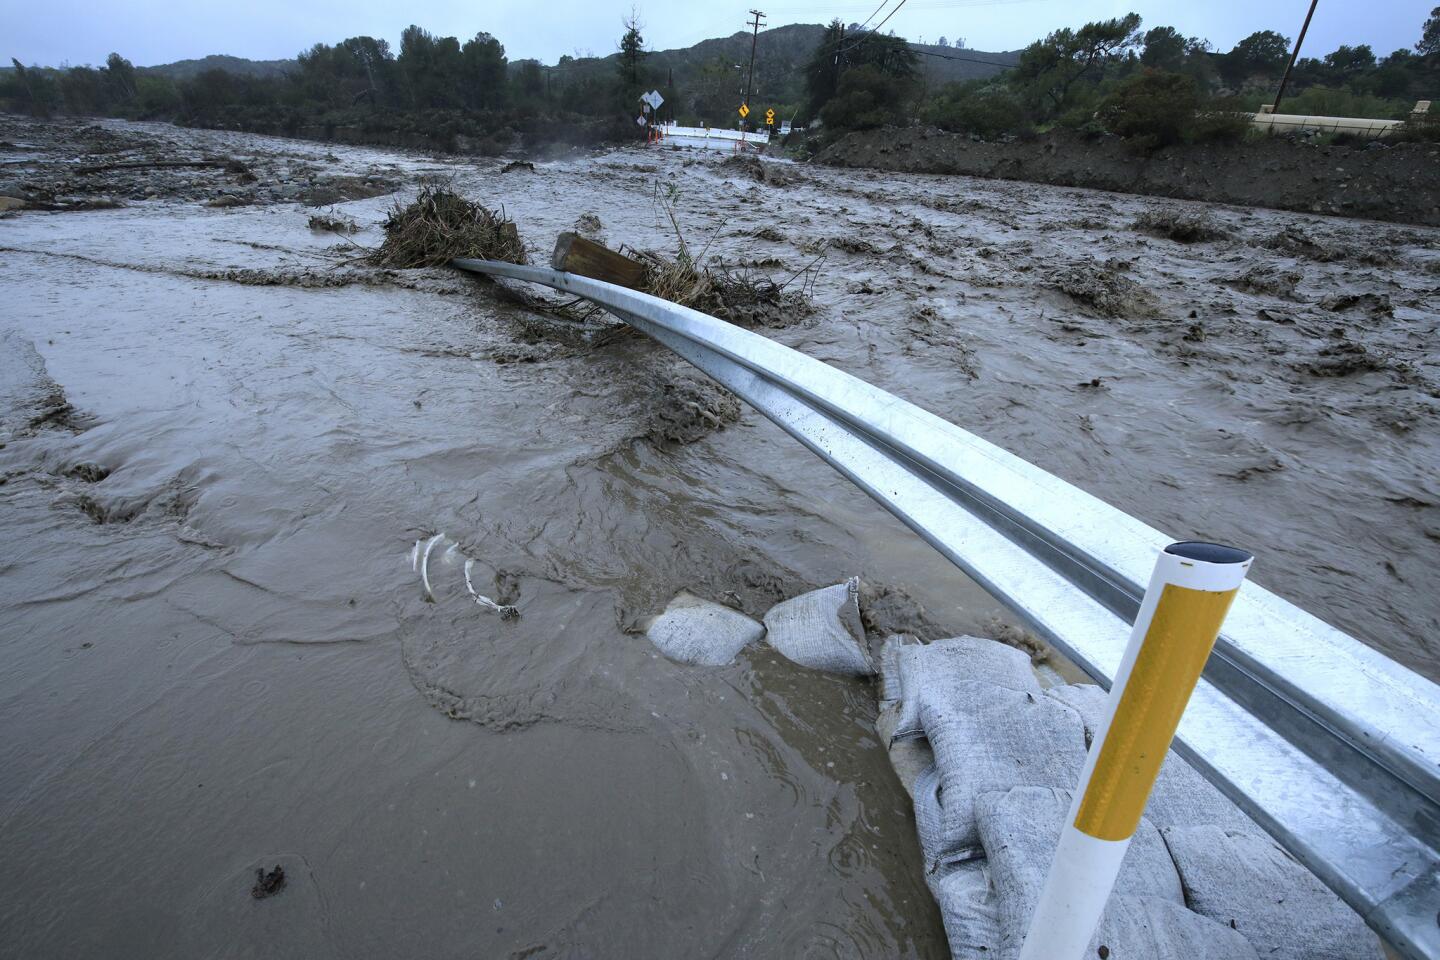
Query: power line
{"x": 889, "y": 15}
{"x": 866, "y": 33}
{"x": 950, "y": 56}
{"x": 918, "y": 5}
{"x": 872, "y": 15}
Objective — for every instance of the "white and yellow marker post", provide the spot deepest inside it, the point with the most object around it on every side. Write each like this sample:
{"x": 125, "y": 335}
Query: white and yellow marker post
{"x": 1190, "y": 592}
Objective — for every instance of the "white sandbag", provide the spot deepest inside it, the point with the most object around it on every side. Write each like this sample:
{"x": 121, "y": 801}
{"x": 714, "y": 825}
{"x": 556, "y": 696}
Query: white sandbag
{"x": 698, "y": 631}
{"x": 1019, "y": 830}
{"x": 944, "y": 670}
{"x": 1245, "y": 880}
{"x": 908, "y": 757}
{"x": 1146, "y": 918}
{"x": 928, "y": 825}
{"x": 1152, "y": 928}
{"x": 1181, "y": 796}
{"x": 822, "y": 630}
{"x": 891, "y": 650}
{"x": 967, "y": 907}
{"x": 994, "y": 739}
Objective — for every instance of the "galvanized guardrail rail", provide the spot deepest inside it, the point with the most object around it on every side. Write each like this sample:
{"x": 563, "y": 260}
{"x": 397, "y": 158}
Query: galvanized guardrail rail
{"x": 1330, "y": 746}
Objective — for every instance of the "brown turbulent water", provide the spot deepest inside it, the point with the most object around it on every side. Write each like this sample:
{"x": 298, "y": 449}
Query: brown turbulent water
{"x": 221, "y": 443}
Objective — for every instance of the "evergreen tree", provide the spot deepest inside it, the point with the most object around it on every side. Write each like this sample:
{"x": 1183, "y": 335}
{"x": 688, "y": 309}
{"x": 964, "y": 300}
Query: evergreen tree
{"x": 632, "y": 51}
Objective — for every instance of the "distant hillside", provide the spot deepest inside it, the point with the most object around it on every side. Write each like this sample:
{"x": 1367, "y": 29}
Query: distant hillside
{"x": 949, "y": 65}
{"x": 712, "y": 71}
{"x": 188, "y": 69}
{"x": 780, "y": 58}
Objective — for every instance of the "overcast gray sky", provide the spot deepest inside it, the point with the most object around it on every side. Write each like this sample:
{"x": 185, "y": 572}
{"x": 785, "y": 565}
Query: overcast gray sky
{"x": 53, "y": 32}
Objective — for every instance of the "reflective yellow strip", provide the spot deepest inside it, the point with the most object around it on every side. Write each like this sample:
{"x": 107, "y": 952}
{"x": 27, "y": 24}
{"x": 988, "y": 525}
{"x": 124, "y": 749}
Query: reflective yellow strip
{"x": 1181, "y": 635}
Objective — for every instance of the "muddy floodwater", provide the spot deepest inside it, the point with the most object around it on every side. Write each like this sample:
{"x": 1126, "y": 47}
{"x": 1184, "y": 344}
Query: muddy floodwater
{"x": 223, "y": 435}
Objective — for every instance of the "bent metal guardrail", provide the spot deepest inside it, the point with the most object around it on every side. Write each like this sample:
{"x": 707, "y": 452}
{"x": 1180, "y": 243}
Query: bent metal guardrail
{"x": 1331, "y": 747}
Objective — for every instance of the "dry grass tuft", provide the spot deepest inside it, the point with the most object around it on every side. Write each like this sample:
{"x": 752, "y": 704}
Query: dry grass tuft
{"x": 440, "y": 226}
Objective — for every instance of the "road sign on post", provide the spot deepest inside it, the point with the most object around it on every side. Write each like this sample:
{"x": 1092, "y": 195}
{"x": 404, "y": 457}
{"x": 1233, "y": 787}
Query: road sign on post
{"x": 770, "y": 117}
{"x": 744, "y": 110}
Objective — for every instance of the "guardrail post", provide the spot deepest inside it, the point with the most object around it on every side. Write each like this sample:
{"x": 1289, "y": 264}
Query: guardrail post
{"x": 1190, "y": 592}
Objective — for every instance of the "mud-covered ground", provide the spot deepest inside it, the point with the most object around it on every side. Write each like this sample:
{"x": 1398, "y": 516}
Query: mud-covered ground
{"x": 223, "y": 433}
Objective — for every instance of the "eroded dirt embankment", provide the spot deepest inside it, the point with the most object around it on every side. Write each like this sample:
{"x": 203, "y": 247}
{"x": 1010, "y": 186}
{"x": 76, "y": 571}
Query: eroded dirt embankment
{"x": 1399, "y": 182}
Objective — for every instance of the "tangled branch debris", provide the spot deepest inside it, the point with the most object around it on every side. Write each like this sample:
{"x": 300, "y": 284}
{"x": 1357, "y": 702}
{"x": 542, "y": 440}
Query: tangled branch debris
{"x": 741, "y": 296}
{"x": 440, "y": 225}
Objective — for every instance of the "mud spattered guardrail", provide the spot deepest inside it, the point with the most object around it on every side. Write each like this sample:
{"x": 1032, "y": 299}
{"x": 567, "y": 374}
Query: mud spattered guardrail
{"x": 1330, "y": 746}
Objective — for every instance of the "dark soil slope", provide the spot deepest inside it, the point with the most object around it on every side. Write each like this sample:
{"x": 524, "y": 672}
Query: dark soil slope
{"x": 1399, "y": 182}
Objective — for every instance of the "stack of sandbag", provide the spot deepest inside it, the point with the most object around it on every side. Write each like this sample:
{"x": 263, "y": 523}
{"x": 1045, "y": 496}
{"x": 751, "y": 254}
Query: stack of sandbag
{"x": 991, "y": 759}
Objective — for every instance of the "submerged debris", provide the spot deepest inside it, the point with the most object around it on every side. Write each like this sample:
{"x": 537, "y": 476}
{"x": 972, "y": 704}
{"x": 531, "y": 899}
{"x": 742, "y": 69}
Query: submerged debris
{"x": 1377, "y": 306}
{"x": 332, "y": 222}
{"x": 1100, "y": 286}
{"x": 268, "y": 884}
{"x": 440, "y": 225}
{"x": 445, "y": 555}
{"x": 588, "y": 225}
{"x": 1180, "y": 227}
{"x": 1268, "y": 280}
{"x": 1344, "y": 359}
{"x": 774, "y": 174}
{"x": 1297, "y": 243}
{"x": 689, "y": 407}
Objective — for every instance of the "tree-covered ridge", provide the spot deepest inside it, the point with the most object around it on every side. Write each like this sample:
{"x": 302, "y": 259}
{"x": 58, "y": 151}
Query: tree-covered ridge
{"x": 1110, "y": 75}
{"x": 1156, "y": 86}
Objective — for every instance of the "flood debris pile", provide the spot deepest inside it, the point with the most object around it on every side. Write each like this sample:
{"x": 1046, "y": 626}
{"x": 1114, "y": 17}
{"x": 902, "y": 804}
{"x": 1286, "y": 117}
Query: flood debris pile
{"x": 72, "y": 165}
{"x": 990, "y": 757}
{"x": 439, "y": 225}
{"x": 739, "y": 295}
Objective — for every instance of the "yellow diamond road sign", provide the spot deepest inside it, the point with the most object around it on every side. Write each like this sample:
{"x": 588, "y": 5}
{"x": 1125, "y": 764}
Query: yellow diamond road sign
{"x": 770, "y": 117}
{"x": 744, "y": 110}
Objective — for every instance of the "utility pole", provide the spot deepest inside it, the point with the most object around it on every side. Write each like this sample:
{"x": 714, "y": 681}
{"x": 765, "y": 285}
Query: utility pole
{"x": 754, "y": 37}
{"x": 1295, "y": 55}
